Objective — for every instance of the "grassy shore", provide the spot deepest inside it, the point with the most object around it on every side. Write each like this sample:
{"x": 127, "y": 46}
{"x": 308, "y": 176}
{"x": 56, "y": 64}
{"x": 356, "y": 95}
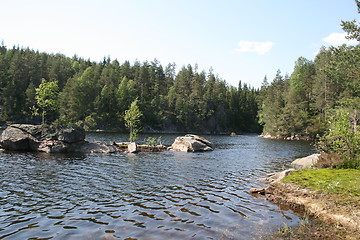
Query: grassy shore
{"x": 329, "y": 196}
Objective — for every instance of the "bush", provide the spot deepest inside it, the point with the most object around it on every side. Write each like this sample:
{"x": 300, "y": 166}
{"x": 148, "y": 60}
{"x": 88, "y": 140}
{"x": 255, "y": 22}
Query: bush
{"x": 151, "y": 141}
{"x": 342, "y": 138}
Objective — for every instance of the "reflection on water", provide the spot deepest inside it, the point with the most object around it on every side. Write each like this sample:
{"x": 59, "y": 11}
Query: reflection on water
{"x": 165, "y": 195}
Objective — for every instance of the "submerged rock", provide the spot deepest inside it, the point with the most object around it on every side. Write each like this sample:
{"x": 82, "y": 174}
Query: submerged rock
{"x": 191, "y": 143}
{"x": 50, "y": 139}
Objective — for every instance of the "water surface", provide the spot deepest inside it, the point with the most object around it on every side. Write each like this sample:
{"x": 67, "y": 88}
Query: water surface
{"x": 167, "y": 195}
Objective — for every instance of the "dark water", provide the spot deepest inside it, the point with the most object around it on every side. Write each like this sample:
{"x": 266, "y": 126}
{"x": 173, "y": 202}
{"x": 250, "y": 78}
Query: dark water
{"x": 165, "y": 195}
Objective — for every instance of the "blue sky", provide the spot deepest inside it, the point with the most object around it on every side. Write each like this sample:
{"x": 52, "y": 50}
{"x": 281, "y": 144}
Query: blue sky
{"x": 240, "y": 39}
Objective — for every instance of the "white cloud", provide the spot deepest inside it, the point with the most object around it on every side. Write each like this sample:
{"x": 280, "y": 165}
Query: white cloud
{"x": 338, "y": 39}
{"x": 257, "y": 47}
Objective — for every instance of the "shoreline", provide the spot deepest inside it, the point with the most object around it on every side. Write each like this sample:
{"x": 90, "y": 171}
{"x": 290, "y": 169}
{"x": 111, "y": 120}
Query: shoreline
{"x": 322, "y": 206}
{"x": 336, "y": 213}
{"x": 291, "y": 138}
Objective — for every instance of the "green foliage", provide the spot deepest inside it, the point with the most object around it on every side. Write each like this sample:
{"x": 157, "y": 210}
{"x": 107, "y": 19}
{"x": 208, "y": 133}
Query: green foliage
{"x": 132, "y": 120}
{"x": 302, "y": 104}
{"x": 338, "y": 181}
{"x": 151, "y": 141}
{"x": 95, "y": 94}
{"x": 340, "y": 138}
{"x": 271, "y": 112}
{"x": 352, "y": 28}
{"x": 47, "y": 97}
{"x": 89, "y": 123}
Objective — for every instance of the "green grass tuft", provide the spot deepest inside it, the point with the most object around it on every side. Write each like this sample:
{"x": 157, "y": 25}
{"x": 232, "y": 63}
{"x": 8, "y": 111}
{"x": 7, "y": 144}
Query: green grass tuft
{"x": 339, "y": 181}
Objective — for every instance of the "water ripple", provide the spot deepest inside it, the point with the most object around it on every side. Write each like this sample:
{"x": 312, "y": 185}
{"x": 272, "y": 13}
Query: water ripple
{"x": 144, "y": 196}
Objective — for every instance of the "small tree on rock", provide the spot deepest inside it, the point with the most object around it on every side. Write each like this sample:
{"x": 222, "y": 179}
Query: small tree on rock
{"x": 132, "y": 120}
{"x": 46, "y": 98}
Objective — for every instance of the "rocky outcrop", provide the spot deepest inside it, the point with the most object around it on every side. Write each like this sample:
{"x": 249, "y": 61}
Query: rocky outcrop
{"x": 191, "y": 143}
{"x": 50, "y": 139}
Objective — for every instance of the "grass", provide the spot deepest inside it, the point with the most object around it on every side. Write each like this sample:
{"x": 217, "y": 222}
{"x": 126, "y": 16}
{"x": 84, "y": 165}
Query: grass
{"x": 308, "y": 231}
{"x": 345, "y": 182}
{"x": 327, "y": 192}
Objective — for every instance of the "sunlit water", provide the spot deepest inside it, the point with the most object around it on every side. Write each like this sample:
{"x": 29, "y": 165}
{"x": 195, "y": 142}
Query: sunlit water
{"x": 166, "y": 195}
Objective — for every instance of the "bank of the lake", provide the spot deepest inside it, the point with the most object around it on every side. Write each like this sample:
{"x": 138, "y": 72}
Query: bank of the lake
{"x": 329, "y": 196}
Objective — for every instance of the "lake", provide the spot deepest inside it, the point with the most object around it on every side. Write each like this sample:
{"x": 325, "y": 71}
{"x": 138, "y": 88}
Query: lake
{"x": 167, "y": 195}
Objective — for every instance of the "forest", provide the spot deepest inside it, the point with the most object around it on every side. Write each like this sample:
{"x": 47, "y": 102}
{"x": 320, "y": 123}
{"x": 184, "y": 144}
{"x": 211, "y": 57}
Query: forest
{"x": 302, "y": 105}
{"x": 95, "y": 95}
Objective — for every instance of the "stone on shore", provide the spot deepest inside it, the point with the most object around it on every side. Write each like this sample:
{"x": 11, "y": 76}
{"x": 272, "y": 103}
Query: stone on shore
{"x": 306, "y": 162}
{"x": 276, "y": 177}
{"x": 191, "y": 143}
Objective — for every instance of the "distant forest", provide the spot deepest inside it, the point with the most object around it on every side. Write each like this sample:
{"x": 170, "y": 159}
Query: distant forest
{"x": 95, "y": 95}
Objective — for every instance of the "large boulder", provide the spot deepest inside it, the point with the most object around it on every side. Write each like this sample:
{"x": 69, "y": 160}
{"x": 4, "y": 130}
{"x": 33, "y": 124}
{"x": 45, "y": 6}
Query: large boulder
{"x": 13, "y": 138}
{"x": 191, "y": 143}
{"x": 50, "y": 139}
{"x": 306, "y": 162}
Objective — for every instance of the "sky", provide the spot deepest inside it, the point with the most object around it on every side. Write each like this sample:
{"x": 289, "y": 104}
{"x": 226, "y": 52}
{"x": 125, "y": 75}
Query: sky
{"x": 240, "y": 40}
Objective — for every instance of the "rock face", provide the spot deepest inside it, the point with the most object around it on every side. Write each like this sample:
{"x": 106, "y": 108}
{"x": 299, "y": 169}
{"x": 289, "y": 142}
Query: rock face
{"x": 50, "y": 139}
{"x": 191, "y": 143}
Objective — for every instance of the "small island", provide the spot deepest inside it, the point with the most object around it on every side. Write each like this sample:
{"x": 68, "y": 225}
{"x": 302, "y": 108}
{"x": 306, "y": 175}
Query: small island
{"x": 56, "y": 139}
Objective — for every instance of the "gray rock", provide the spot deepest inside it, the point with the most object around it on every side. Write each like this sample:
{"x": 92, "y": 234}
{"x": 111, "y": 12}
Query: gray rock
{"x": 306, "y": 162}
{"x": 191, "y": 143}
{"x": 71, "y": 134}
{"x": 132, "y": 147}
{"x": 91, "y": 147}
{"x": 49, "y": 139}
{"x": 15, "y": 139}
{"x": 53, "y": 146}
{"x": 276, "y": 177}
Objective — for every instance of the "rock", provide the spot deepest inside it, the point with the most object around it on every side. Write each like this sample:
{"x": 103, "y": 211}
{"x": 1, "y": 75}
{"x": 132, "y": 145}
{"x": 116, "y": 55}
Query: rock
{"x": 15, "y": 139}
{"x": 191, "y": 143}
{"x": 132, "y": 147}
{"x": 53, "y": 146}
{"x": 71, "y": 134}
{"x": 261, "y": 191}
{"x": 306, "y": 162}
{"x": 91, "y": 147}
{"x": 49, "y": 139}
{"x": 276, "y": 177}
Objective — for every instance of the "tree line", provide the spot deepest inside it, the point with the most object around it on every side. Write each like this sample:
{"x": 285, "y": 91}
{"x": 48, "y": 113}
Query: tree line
{"x": 302, "y": 103}
{"x": 320, "y": 99}
{"x": 96, "y": 94}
